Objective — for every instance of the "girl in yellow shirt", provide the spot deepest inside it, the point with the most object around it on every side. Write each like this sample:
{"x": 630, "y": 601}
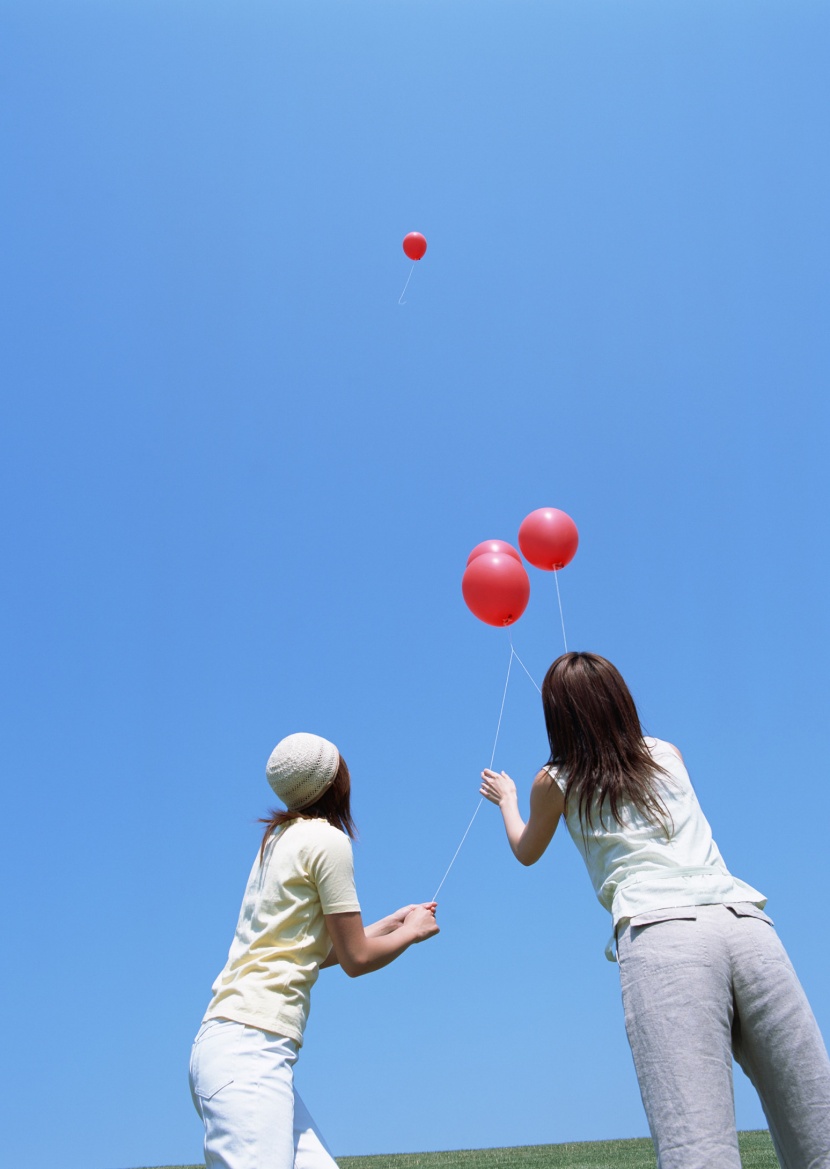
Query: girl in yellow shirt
{"x": 299, "y": 914}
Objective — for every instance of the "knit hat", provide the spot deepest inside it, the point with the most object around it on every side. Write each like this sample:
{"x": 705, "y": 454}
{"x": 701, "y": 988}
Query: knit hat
{"x": 301, "y": 768}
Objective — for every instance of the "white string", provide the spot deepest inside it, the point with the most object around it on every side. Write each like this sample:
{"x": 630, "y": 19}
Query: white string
{"x": 409, "y": 277}
{"x": 501, "y": 709}
{"x": 524, "y": 667}
{"x": 561, "y": 617}
{"x": 458, "y": 850}
{"x": 513, "y": 655}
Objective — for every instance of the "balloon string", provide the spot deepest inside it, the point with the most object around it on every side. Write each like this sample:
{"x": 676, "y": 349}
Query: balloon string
{"x": 458, "y": 850}
{"x": 513, "y": 655}
{"x": 524, "y": 667}
{"x": 409, "y": 277}
{"x": 501, "y": 708}
{"x": 561, "y": 617}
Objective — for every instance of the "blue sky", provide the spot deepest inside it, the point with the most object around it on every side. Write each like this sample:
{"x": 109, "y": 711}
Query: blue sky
{"x": 241, "y": 485}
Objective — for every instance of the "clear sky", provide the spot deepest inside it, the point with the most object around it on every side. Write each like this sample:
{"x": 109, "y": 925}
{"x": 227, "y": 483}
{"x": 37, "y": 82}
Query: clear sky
{"x": 241, "y": 483}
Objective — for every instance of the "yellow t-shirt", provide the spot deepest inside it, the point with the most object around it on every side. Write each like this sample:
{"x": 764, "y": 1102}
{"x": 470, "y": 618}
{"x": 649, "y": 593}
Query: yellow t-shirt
{"x": 281, "y": 935}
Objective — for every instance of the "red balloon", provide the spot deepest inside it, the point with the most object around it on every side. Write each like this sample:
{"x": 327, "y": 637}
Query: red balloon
{"x": 414, "y": 245}
{"x": 496, "y": 588}
{"x": 494, "y": 546}
{"x": 548, "y": 538}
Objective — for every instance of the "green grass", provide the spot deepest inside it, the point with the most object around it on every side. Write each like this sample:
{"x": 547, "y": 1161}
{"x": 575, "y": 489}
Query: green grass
{"x": 756, "y": 1153}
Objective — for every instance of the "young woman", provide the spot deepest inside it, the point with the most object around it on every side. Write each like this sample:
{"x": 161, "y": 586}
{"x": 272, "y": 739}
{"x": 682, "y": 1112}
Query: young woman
{"x": 704, "y": 976}
{"x": 300, "y": 912}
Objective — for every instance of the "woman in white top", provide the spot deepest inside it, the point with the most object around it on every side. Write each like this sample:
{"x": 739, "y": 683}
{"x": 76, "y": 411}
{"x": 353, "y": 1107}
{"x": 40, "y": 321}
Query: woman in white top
{"x": 299, "y": 913}
{"x": 704, "y": 976}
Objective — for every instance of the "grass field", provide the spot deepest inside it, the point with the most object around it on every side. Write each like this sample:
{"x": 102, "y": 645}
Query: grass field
{"x": 756, "y": 1153}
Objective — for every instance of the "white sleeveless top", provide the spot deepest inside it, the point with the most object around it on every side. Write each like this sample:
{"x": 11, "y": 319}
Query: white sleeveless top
{"x": 635, "y": 868}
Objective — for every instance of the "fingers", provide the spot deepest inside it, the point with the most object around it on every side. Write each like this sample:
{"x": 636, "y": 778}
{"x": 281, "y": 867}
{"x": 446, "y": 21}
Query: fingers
{"x": 422, "y": 919}
{"x": 400, "y": 915}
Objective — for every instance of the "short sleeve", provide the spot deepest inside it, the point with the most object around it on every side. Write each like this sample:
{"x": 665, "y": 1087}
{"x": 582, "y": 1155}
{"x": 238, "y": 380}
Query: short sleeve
{"x": 331, "y": 866}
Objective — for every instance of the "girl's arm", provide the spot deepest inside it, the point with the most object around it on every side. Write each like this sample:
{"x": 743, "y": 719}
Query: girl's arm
{"x": 360, "y": 952}
{"x": 386, "y": 925}
{"x": 547, "y": 804}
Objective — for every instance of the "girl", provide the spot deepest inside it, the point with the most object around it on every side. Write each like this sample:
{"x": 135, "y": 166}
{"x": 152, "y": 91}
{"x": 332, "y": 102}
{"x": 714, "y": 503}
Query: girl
{"x": 703, "y": 973}
{"x": 300, "y": 912}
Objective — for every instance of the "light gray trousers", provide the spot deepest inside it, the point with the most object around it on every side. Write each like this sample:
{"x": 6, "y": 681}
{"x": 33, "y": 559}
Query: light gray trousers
{"x": 700, "y": 984}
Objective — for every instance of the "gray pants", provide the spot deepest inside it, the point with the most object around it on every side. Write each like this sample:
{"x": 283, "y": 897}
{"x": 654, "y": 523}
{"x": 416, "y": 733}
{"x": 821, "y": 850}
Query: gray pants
{"x": 700, "y": 984}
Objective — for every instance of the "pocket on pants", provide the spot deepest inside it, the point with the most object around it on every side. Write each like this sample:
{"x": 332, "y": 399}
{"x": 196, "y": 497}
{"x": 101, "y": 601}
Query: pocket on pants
{"x": 754, "y": 931}
{"x": 667, "y": 939}
{"x": 656, "y": 916}
{"x": 747, "y": 909}
{"x": 209, "y": 1089}
{"x": 207, "y": 1077}
{"x": 210, "y": 1057}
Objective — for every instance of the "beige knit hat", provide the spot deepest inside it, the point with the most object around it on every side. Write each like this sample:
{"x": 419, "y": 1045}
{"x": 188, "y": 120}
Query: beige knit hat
{"x": 301, "y": 768}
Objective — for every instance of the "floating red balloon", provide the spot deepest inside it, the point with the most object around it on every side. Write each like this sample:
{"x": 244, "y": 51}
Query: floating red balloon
{"x": 494, "y": 546}
{"x": 548, "y": 538}
{"x": 496, "y": 588}
{"x": 414, "y": 245}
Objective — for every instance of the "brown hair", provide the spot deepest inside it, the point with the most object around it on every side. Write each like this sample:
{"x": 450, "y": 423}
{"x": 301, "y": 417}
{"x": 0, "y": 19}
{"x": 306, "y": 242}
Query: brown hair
{"x": 596, "y": 739}
{"x": 333, "y": 805}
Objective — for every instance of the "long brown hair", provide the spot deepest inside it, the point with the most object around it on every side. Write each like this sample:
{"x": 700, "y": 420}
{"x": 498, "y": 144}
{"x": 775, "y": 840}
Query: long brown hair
{"x": 333, "y": 805}
{"x": 596, "y": 740}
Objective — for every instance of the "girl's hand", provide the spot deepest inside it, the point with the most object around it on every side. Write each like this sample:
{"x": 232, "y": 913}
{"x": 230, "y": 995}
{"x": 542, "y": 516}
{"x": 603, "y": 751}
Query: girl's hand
{"x": 547, "y": 803}
{"x": 421, "y": 920}
{"x": 402, "y": 914}
{"x": 361, "y": 949}
{"x": 399, "y": 916}
{"x": 388, "y": 925}
{"x": 497, "y": 787}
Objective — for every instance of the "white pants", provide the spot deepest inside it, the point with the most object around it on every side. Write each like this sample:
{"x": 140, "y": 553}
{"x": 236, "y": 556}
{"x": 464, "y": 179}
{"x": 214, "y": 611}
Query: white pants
{"x": 242, "y": 1082}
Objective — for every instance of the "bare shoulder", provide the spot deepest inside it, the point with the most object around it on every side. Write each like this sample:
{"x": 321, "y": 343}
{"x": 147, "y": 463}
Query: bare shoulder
{"x": 545, "y": 785}
{"x": 544, "y": 781}
{"x": 676, "y": 751}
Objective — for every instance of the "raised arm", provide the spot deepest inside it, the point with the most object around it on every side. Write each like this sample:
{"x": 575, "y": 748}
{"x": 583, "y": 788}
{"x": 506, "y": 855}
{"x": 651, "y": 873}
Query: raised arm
{"x": 361, "y": 949}
{"x": 528, "y": 841}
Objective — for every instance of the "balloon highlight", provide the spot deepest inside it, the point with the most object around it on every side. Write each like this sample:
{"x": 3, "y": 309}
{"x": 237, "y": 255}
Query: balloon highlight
{"x": 415, "y": 245}
{"x": 496, "y": 588}
{"x": 494, "y": 546}
{"x": 548, "y": 538}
